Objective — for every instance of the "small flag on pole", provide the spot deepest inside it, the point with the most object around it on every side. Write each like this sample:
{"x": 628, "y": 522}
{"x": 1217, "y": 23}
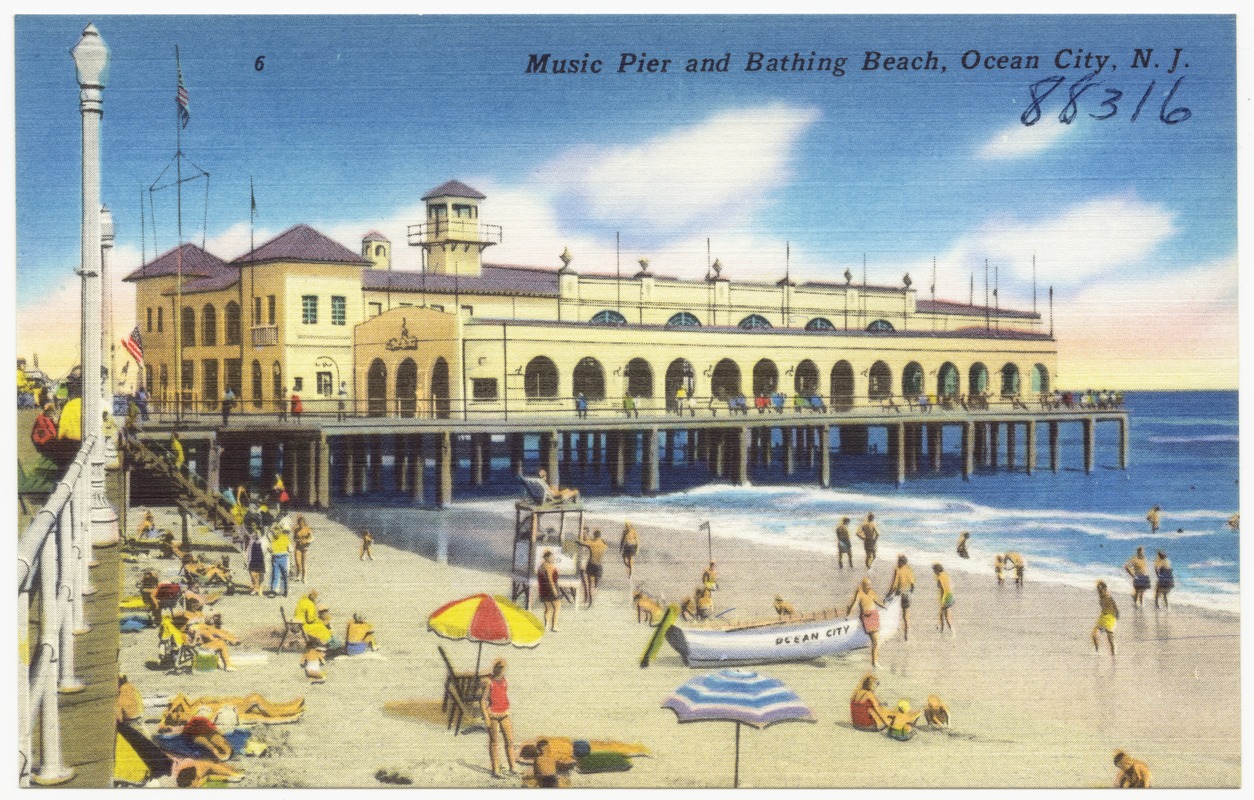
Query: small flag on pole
{"x": 134, "y": 345}
{"x": 184, "y": 110}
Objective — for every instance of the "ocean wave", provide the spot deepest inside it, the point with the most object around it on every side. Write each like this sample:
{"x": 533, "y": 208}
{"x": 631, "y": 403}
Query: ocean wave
{"x": 1213, "y": 563}
{"x": 1206, "y": 439}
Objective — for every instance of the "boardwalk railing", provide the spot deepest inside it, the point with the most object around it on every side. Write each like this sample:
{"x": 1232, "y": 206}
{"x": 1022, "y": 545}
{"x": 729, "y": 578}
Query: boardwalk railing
{"x": 322, "y": 408}
{"x": 52, "y": 562}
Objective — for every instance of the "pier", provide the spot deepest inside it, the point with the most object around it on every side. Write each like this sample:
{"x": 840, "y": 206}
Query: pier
{"x": 323, "y": 451}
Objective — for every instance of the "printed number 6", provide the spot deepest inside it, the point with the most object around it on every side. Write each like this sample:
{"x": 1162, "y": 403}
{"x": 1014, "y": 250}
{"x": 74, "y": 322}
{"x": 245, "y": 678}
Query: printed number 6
{"x": 260, "y": 63}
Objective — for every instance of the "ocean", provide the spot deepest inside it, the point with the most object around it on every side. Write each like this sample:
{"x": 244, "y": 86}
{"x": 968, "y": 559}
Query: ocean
{"x": 1071, "y": 527}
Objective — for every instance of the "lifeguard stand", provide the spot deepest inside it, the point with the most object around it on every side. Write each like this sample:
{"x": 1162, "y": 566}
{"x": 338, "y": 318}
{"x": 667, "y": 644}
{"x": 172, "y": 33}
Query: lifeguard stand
{"x": 537, "y": 527}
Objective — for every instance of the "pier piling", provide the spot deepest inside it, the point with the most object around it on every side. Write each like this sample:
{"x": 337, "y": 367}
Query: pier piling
{"x": 649, "y": 481}
{"x": 1089, "y": 443}
{"x": 1053, "y": 446}
{"x": 444, "y": 471}
{"x": 825, "y": 457}
{"x": 1030, "y": 456}
{"x": 418, "y": 470}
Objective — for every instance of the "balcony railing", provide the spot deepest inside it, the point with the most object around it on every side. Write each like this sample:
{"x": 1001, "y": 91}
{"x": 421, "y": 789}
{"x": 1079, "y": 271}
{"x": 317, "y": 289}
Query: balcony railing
{"x": 265, "y": 336}
{"x": 453, "y": 230}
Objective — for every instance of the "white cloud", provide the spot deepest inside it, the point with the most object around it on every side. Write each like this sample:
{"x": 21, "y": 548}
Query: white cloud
{"x": 1022, "y": 140}
{"x": 720, "y": 166}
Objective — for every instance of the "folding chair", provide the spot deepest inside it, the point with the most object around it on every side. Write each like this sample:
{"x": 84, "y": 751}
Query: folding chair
{"x": 293, "y": 628}
{"x": 462, "y": 691}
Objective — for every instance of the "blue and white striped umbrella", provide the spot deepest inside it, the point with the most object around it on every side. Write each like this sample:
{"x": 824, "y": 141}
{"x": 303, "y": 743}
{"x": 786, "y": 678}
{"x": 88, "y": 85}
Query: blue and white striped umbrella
{"x": 739, "y": 696}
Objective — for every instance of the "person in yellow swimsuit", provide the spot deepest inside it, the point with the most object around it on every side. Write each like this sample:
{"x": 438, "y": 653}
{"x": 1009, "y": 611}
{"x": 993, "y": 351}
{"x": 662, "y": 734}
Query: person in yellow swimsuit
{"x": 1107, "y": 619}
{"x": 946, "y": 596}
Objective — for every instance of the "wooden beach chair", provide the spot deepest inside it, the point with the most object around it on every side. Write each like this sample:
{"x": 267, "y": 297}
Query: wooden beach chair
{"x": 462, "y": 692}
{"x": 539, "y": 492}
{"x": 291, "y": 628}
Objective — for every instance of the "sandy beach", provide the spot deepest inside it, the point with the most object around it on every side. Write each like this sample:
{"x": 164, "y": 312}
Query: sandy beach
{"x": 1032, "y": 704}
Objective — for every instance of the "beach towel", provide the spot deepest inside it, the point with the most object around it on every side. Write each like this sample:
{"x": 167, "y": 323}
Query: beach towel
{"x": 133, "y": 624}
{"x": 604, "y": 761}
{"x": 563, "y": 748}
{"x": 176, "y": 745}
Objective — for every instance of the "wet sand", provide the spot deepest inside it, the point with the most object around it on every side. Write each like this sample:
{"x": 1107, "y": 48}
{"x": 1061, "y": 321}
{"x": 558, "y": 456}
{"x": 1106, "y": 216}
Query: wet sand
{"x": 1033, "y": 705}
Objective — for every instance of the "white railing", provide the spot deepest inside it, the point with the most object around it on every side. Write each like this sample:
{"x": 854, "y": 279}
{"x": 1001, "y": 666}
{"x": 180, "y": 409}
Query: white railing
{"x": 265, "y": 336}
{"x": 52, "y": 559}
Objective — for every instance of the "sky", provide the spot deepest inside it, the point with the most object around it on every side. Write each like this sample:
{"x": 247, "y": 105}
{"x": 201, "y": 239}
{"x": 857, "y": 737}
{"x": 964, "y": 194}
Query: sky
{"x": 350, "y": 120}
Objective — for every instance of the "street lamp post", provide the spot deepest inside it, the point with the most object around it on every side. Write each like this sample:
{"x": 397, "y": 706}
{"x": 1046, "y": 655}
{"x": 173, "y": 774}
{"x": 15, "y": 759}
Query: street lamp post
{"x": 91, "y": 61}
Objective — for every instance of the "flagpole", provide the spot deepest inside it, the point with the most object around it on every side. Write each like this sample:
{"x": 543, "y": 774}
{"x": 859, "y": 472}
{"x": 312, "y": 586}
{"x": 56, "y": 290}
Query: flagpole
{"x": 178, "y": 285}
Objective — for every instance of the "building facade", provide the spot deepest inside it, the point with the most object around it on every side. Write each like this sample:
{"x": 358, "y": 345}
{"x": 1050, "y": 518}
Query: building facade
{"x": 468, "y": 338}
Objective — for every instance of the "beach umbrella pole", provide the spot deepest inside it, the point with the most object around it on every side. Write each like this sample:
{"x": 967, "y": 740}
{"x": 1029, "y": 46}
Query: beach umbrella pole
{"x": 478, "y": 658}
{"x": 736, "y": 773}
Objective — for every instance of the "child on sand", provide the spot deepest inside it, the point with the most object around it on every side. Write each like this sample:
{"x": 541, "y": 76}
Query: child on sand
{"x": 1162, "y": 570}
{"x": 901, "y": 722}
{"x": 1107, "y": 619}
{"x": 868, "y": 603}
{"x": 999, "y": 563}
{"x": 313, "y": 661}
{"x": 946, "y": 597}
{"x": 544, "y": 766}
{"x": 903, "y": 584}
{"x": 1133, "y": 774}
{"x": 1016, "y": 560}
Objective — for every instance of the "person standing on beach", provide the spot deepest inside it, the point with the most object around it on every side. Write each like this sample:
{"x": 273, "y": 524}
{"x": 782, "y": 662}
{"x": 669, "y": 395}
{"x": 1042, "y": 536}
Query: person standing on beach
{"x": 280, "y": 544}
{"x": 962, "y": 544}
{"x": 1107, "y": 619}
{"x": 366, "y": 540}
{"x": 869, "y": 534}
{"x": 494, "y": 702}
{"x": 1154, "y": 517}
{"x": 342, "y": 397}
{"x": 903, "y": 584}
{"x": 1133, "y": 774}
{"x": 1166, "y": 581}
{"x": 709, "y": 578}
{"x": 946, "y": 597}
{"x": 546, "y": 586}
{"x": 302, "y": 537}
{"x": 256, "y": 561}
{"x": 1138, "y": 569}
{"x": 868, "y": 603}
{"x": 844, "y": 545}
{"x": 999, "y": 564}
{"x": 1016, "y": 561}
{"x": 596, "y": 550}
{"x": 628, "y": 546}
{"x": 228, "y": 402}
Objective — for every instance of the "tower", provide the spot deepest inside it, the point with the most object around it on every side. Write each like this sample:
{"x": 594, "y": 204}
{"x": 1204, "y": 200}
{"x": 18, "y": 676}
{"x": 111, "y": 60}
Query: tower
{"x": 452, "y": 235}
{"x": 377, "y": 249}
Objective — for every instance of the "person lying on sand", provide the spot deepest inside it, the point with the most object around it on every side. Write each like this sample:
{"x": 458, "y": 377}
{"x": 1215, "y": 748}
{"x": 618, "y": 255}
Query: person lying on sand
{"x": 251, "y": 708}
{"x": 784, "y": 608}
{"x": 865, "y": 710}
{"x": 192, "y": 773}
{"x": 201, "y": 731}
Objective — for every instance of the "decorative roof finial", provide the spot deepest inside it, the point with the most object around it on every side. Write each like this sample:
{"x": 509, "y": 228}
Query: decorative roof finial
{"x": 644, "y": 264}
{"x": 905, "y": 279}
{"x": 717, "y": 266}
{"x": 848, "y": 277}
{"x": 566, "y": 258}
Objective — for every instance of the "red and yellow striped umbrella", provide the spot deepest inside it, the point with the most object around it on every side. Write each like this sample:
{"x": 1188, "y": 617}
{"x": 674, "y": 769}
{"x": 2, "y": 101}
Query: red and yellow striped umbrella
{"x": 486, "y": 618}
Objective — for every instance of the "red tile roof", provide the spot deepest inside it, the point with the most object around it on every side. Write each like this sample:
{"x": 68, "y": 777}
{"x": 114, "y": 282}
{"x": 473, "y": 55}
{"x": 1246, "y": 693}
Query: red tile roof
{"x": 454, "y": 189}
{"x": 303, "y": 244}
{"x": 195, "y": 263}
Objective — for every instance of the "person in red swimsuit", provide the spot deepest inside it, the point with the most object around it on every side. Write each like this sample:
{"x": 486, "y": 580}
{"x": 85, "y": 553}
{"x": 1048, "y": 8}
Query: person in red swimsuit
{"x": 546, "y": 582}
{"x": 865, "y": 711}
{"x": 494, "y": 701}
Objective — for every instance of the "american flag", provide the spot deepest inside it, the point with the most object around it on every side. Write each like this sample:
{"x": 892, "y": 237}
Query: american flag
{"x": 184, "y": 113}
{"x": 134, "y": 345}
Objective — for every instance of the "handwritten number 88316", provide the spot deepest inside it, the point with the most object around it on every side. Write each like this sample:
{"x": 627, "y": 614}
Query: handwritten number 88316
{"x": 1108, "y": 106}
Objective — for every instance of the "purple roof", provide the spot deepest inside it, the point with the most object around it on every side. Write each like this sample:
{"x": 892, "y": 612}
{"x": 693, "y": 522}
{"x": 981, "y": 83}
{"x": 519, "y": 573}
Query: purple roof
{"x": 950, "y": 307}
{"x": 196, "y": 263}
{"x": 222, "y": 280}
{"x": 375, "y": 236}
{"x": 303, "y": 244}
{"x": 494, "y": 279}
{"x": 454, "y": 189}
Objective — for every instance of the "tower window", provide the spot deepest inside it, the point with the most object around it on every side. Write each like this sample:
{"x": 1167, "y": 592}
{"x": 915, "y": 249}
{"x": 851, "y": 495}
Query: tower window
{"x": 379, "y": 250}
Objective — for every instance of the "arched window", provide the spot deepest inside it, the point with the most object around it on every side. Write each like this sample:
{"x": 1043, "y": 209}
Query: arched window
{"x": 378, "y": 249}
{"x": 842, "y": 386}
{"x": 725, "y": 380}
{"x": 377, "y": 388}
{"x": 679, "y": 374}
{"x": 881, "y": 326}
{"x": 257, "y": 384}
{"x": 407, "y": 387}
{"x": 187, "y": 330}
{"x": 1040, "y": 379}
{"x": 977, "y": 379}
{"x": 540, "y": 378}
{"x": 608, "y": 317}
{"x": 765, "y": 378}
{"x": 805, "y": 379}
{"x": 232, "y": 323}
{"x": 639, "y": 377}
{"x": 148, "y": 377}
{"x": 755, "y": 322}
{"x": 947, "y": 381}
{"x": 912, "y": 380}
{"x": 276, "y": 384}
{"x": 880, "y": 384}
{"x": 1009, "y": 380}
{"x": 683, "y": 320}
{"x": 820, "y": 324}
{"x": 440, "y": 388}
{"x": 589, "y": 379}
{"x": 208, "y": 326}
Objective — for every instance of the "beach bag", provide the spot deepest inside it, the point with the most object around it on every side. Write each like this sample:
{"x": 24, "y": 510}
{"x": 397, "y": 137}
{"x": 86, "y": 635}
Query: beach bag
{"x": 205, "y": 662}
{"x": 283, "y": 496}
{"x": 603, "y": 761}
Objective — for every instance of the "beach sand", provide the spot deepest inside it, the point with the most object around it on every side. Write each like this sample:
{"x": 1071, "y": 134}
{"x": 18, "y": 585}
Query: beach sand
{"x": 1032, "y": 704}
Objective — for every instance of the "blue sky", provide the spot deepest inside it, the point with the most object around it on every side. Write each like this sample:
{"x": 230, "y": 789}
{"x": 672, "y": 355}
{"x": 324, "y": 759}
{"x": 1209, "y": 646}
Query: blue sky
{"x": 353, "y": 118}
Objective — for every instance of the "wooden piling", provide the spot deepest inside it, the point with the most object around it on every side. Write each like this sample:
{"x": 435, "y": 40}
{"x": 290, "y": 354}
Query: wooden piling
{"x": 444, "y": 471}
{"x": 969, "y": 430}
{"x": 1123, "y": 442}
{"x": 1010, "y": 446}
{"x": 418, "y": 471}
{"x": 649, "y": 479}
{"x": 897, "y": 446}
{"x": 348, "y": 449}
{"x": 742, "y": 456}
{"x": 516, "y": 454}
{"x": 476, "y": 459}
{"x": 1053, "y": 446}
{"x": 1089, "y": 442}
{"x": 935, "y": 443}
{"x": 618, "y": 460}
{"x": 825, "y": 457}
{"x": 1030, "y": 455}
{"x": 790, "y": 451}
{"x": 994, "y": 432}
{"x": 551, "y": 444}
